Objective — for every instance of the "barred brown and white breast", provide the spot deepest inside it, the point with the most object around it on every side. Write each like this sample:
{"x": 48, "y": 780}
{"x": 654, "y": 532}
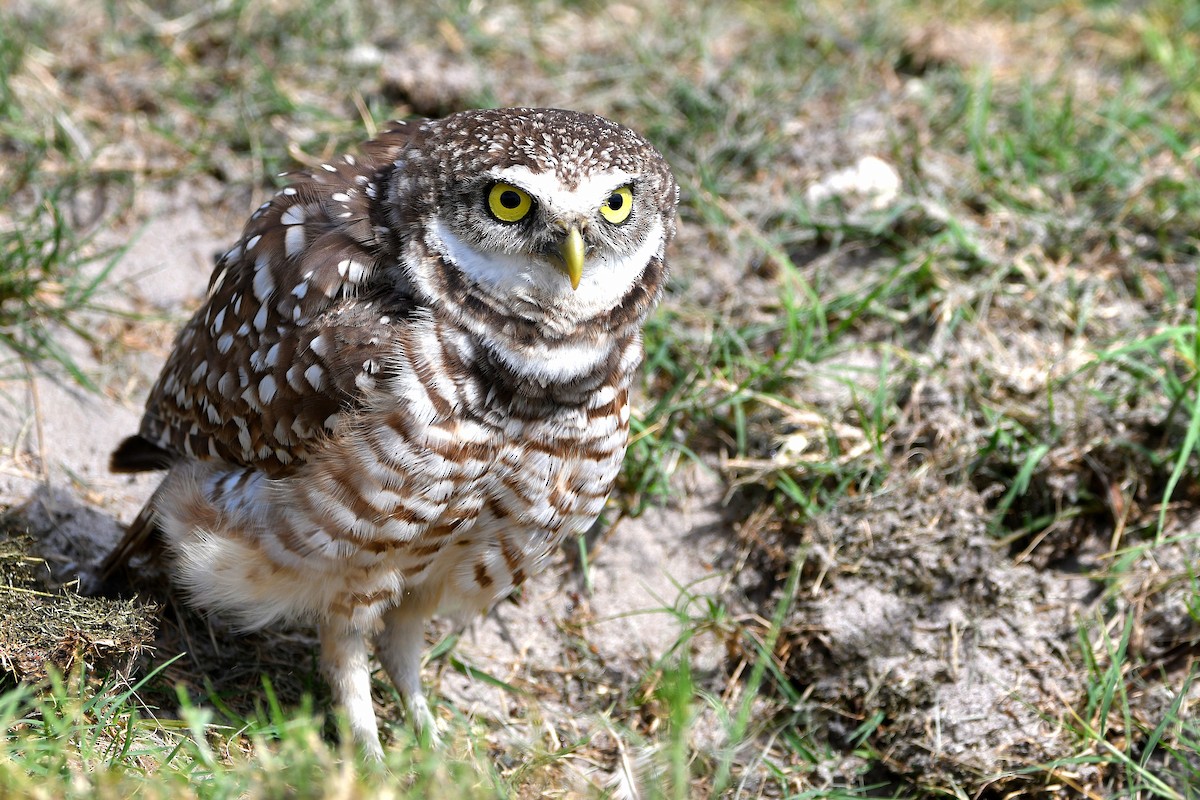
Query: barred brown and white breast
{"x": 409, "y": 381}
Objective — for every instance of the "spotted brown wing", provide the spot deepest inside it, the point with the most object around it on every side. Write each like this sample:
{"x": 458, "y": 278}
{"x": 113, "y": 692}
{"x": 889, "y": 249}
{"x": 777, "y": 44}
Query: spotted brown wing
{"x": 291, "y": 332}
{"x": 290, "y": 335}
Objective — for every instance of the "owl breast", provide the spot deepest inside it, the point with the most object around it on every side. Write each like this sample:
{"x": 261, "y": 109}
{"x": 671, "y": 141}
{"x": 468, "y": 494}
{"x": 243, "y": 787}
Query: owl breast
{"x": 447, "y": 490}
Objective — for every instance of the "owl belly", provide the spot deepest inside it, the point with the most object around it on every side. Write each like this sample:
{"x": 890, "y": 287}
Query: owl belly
{"x": 459, "y": 520}
{"x": 533, "y": 501}
{"x": 450, "y": 516}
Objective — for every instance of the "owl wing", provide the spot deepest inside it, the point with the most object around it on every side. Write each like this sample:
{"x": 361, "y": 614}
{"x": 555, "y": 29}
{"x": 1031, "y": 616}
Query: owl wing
{"x": 292, "y": 331}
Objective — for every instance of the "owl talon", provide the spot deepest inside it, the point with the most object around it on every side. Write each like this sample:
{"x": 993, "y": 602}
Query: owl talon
{"x": 419, "y": 715}
{"x": 372, "y": 749}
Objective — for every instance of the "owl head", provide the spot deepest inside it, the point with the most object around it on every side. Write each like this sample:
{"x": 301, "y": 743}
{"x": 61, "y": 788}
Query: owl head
{"x": 546, "y": 217}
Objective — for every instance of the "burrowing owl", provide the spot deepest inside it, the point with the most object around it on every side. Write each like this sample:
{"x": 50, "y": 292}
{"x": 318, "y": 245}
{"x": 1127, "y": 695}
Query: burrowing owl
{"x": 408, "y": 382}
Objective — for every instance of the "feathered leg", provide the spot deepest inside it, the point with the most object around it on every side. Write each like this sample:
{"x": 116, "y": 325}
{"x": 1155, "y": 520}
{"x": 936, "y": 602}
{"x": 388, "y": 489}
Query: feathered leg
{"x": 399, "y": 646}
{"x": 346, "y": 662}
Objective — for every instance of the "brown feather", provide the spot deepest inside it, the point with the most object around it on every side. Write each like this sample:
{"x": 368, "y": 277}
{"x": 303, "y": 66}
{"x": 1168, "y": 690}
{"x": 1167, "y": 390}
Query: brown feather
{"x": 142, "y": 538}
{"x": 136, "y": 454}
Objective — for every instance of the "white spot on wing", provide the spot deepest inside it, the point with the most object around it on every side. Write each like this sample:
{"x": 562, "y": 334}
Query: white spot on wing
{"x": 293, "y": 241}
{"x": 315, "y": 376}
{"x": 266, "y": 389}
{"x": 294, "y": 216}
{"x": 260, "y": 319}
{"x": 220, "y": 279}
{"x": 264, "y": 281}
{"x": 351, "y": 270}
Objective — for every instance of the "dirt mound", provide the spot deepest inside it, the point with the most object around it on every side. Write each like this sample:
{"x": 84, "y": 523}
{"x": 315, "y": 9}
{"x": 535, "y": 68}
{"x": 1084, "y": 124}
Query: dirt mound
{"x": 919, "y": 637}
{"x": 42, "y": 628}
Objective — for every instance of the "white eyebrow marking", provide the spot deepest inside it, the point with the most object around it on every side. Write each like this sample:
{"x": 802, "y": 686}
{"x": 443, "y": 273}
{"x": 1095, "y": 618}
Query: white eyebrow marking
{"x": 546, "y": 188}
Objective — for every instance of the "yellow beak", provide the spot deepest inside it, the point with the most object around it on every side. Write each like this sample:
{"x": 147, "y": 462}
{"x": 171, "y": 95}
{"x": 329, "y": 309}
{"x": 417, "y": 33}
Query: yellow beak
{"x": 571, "y": 251}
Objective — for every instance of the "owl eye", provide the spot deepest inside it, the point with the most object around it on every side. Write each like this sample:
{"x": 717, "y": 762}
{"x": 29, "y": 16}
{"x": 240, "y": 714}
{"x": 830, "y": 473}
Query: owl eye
{"x": 618, "y": 205}
{"x": 508, "y": 203}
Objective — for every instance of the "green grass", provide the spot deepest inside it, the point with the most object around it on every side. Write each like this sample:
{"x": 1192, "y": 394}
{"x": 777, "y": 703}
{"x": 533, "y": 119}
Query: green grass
{"x": 72, "y": 738}
{"x": 1021, "y": 320}
{"x": 1148, "y": 758}
{"x": 43, "y": 283}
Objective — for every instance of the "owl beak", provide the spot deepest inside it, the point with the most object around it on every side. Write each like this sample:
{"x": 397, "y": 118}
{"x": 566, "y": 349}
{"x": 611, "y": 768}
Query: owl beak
{"x": 571, "y": 250}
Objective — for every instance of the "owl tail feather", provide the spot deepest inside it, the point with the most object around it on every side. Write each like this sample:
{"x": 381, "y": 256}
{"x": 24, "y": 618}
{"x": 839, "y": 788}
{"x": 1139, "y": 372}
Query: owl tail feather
{"x": 137, "y": 454}
{"x": 142, "y": 538}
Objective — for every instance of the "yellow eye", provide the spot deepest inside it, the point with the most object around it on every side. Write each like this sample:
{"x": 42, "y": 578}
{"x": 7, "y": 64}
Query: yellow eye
{"x": 618, "y": 205}
{"x": 508, "y": 203}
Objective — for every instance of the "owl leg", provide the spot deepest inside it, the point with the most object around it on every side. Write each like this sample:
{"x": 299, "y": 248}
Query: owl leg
{"x": 398, "y": 646}
{"x": 346, "y": 663}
